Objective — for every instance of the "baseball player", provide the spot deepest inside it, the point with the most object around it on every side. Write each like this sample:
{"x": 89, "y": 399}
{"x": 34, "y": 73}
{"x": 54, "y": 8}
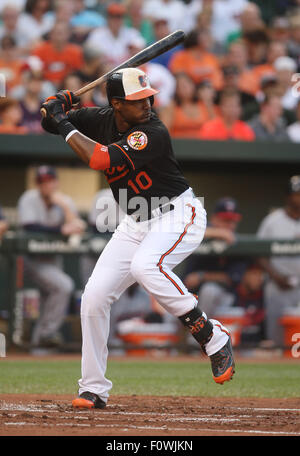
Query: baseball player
{"x": 164, "y": 222}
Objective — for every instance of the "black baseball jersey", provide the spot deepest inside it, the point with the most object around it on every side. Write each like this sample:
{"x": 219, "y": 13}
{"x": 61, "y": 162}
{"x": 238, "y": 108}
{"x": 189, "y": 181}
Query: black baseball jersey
{"x": 142, "y": 159}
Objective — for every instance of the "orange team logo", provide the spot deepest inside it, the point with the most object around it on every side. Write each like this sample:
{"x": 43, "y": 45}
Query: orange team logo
{"x": 137, "y": 140}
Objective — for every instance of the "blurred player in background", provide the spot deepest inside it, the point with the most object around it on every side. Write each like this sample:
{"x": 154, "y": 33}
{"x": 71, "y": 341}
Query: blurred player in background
{"x": 46, "y": 210}
{"x": 283, "y": 286}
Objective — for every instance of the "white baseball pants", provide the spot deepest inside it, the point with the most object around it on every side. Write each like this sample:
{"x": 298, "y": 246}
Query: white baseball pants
{"x": 143, "y": 252}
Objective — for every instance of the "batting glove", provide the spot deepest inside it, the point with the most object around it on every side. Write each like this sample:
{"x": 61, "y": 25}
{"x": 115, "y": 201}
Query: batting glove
{"x": 58, "y": 105}
{"x": 67, "y": 98}
{"x": 55, "y": 110}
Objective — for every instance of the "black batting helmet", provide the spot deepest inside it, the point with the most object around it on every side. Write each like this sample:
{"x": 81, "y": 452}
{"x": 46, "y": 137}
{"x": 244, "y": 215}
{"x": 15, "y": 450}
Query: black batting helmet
{"x": 129, "y": 84}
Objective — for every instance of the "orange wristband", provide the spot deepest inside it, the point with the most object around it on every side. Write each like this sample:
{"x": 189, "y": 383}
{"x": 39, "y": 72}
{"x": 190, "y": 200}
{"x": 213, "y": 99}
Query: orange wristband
{"x": 100, "y": 159}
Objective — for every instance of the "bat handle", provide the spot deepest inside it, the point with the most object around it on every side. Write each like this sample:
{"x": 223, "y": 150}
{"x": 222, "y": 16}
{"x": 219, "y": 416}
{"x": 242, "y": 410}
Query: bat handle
{"x": 43, "y": 112}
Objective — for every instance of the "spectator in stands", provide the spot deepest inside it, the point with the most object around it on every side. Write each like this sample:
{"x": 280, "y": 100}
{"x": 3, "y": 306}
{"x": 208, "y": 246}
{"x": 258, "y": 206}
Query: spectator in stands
{"x": 196, "y": 59}
{"x": 62, "y": 12}
{"x": 34, "y": 22}
{"x": 135, "y": 19}
{"x": 10, "y": 24}
{"x": 160, "y": 77}
{"x": 276, "y": 49}
{"x": 231, "y": 75}
{"x": 279, "y": 30}
{"x": 285, "y": 67}
{"x": 32, "y": 64}
{"x": 282, "y": 288}
{"x": 11, "y": 117}
{"x": 46, "y": 210}
{"x": 84, "y": 21}
{"x": 294, "y": 41}
{"x": 173, "y": 9}
{"x": 225, "y": 18}
{"x": 206, "y": 95}
{"x": 228, "y": 125}
{"x": 113, "y": 39}
{"x": 215, "y": 278}
{"x": 10, "y": 63}
{"x": 186, "y": 114}
{"x": 269, "y": 125}
{"x": 269, "y": 86}
{"x": 204, "y": 18}
{"x": 17, "y": 3}
{"x": 257, "y": 43}
{"x": 250, "y": 19}
{"x": 237, "y": 56}
{"x": 94, "y": 64}
{"x": 294, "y": 130}
{"x": 58, "y": 55}
{"x": 3, "y": 224}
{"x": 160, "y": 30}
{"x": 31, "y": 102}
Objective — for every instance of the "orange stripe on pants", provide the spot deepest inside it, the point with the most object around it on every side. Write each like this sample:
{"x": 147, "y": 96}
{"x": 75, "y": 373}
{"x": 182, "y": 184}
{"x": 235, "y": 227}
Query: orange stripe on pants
{"x": 159, "y": 264}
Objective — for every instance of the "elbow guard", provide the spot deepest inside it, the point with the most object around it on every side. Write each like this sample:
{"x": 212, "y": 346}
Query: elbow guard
{"x": 100, "y": 160}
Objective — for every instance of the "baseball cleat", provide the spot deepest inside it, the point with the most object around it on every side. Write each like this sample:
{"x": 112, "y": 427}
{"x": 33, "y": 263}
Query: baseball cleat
{"x": 88, "y": 400}
{"x": 222, "y": 364}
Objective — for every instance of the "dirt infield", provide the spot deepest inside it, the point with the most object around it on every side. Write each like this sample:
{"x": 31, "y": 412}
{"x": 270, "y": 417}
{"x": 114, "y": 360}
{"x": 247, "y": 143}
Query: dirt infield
{"x": 149, "y": 416}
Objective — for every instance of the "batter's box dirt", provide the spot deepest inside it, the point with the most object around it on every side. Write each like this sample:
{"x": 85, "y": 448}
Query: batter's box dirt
{"x": 146, "y": 415}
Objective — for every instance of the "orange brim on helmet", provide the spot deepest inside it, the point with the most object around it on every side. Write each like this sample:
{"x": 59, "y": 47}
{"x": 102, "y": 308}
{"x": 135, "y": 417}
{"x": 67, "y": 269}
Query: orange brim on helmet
{"x": 141, "y": 94}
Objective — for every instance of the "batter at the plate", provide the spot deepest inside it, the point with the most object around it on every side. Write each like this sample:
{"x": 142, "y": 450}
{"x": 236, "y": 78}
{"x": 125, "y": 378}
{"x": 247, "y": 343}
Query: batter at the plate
{"x": 164, "y": 224}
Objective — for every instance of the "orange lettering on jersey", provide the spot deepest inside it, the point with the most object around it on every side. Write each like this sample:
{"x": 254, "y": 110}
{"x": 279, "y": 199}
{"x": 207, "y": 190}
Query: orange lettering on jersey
{"x": 110, "y": 171}
{"x": 115, "y": 173}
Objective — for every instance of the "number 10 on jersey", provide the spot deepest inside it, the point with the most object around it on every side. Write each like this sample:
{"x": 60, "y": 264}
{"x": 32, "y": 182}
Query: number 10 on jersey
{"x": 141, "y": 182}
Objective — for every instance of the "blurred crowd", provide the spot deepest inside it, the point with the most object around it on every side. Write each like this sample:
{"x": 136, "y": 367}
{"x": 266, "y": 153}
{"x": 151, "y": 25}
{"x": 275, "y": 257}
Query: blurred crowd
{"x": 234, "y": 78}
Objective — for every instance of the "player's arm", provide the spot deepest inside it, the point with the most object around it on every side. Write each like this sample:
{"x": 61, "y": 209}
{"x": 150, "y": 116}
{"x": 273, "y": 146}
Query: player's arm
{"x": 89, "y": 151}
{"x": 283, "y": 281}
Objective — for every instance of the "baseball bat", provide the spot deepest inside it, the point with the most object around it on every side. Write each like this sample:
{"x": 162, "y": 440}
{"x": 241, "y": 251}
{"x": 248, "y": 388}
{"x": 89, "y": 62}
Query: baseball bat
{"x": 147, "y": 54}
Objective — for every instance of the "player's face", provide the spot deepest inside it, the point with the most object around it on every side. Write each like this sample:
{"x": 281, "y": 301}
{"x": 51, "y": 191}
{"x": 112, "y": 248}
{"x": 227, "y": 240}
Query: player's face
{"x": 134, "y": 112}
{"x": 48, "y": 188}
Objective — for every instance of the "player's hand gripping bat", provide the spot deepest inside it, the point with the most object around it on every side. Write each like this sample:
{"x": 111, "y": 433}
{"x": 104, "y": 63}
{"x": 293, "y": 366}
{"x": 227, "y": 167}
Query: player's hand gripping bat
{"x": 147, "y": 54}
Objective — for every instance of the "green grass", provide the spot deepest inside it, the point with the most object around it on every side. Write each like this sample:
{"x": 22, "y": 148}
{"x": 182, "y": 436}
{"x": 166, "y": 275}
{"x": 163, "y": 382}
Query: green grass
{"x": 143, "y": 377}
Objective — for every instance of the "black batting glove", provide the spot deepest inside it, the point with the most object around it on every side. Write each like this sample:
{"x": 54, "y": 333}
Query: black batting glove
{"x": 59, "y": 104}
{"x": 67, "y": 98}
{"x": 55, "y": 110}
